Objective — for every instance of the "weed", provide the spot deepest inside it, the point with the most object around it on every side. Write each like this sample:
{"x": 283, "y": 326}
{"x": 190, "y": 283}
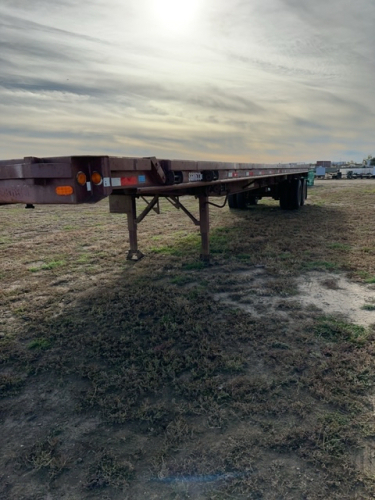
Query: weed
{"x": 335, "y": 432}
{"x": 9, "y": 385}
{"x": 45, "y": 455}
{"x": 368, "y": 307}
{"x": 331, "y": 284}
{"x": 19, "y": 311}
{"x": 109, "y": 470}
{"x": 40, "y": 344}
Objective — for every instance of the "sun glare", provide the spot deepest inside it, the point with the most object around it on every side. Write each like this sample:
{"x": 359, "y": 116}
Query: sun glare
{"x": 176, "y": 15}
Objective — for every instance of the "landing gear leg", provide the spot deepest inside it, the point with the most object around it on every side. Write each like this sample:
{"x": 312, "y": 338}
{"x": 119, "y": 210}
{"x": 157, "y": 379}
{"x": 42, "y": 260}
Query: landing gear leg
{"x": 204, "y": 220}
{"x": 133, "y": 253}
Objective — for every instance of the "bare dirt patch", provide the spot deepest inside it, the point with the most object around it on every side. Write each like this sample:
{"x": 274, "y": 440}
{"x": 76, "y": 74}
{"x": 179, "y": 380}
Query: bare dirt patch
{"x": 331, "y": 293}
{"x": 336, "y": 295}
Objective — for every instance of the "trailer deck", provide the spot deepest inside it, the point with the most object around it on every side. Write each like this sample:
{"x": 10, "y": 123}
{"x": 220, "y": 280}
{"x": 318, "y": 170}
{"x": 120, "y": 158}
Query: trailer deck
{"x": 89, "y": 179}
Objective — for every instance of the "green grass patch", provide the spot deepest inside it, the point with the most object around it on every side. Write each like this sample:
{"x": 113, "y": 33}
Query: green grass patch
{"x": 181, "y": 280}
{"x": 320, "y": 265}
{"x": 244, "y": 256}
{"x": 40, "y": 344}
{"x": 219, "y": 242}
{"x": 167, "y": 250}
{"x": 371, "y": 279}
{"x": 48, "y": 266}
{"x": 335, "y": 330}
{"x": 194, "y": 266}
{"x": 183, "y": 246}
{"x": 234, "y": 365}
{"x": 83, "y": 258}
{"x": 52, "y": 265}
{"x": 285, "y": 255}
{"x": 338, "y": 246}
{"x": 280, "y": 345}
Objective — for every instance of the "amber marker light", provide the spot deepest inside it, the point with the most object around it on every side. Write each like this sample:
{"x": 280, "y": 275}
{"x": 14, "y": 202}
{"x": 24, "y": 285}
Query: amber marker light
{"x": 96, "y": 178}
{"x": 81, "y": 178}
{"x": 64, "y": 190}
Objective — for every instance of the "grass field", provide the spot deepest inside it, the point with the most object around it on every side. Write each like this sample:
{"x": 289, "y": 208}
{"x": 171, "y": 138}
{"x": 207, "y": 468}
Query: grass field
{"x": 166, "y": 379}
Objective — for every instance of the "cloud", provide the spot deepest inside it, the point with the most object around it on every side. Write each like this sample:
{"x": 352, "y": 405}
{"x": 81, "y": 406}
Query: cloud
{"x": 19, "y": 24}
{"x": 256, "y": 81}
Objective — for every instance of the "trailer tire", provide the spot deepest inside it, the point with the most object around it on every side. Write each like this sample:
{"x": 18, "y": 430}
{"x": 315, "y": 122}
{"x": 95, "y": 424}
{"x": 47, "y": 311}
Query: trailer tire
{"x": 284, "y": 196}
{"x": 246, "y": 200}
{"x": 303, "y": 192}
{"x": 295, "y": 194}
{"x": 241, "y": 201}
{"x": 291, "y": 195}
{"x": 232, "y": 200}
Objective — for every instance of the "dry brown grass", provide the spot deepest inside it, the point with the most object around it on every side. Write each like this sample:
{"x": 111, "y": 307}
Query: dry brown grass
{"x": 130, "y": 381}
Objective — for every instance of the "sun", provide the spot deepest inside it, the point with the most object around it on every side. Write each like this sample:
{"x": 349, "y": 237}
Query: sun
{"x": 175, "y": 15}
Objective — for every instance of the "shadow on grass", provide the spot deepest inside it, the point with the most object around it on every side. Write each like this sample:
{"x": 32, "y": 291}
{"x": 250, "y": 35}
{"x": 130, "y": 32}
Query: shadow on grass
{"x": 314, "y": 238}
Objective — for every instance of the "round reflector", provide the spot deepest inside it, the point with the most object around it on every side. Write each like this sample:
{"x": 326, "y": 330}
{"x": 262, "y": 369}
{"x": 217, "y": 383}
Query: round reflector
{"x": 81, "y": 178}
{"x": 96, "y": 178}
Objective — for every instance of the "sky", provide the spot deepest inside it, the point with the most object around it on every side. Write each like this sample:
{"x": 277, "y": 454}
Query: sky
{"x": 246, "y": 80}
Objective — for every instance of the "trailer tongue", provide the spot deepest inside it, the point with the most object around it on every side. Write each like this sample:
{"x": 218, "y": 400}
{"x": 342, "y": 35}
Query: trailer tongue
{"x": 89, "y": 179}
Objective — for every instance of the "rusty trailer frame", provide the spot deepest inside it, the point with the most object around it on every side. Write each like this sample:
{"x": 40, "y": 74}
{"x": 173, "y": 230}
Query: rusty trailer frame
{"x": 89, "y": 179}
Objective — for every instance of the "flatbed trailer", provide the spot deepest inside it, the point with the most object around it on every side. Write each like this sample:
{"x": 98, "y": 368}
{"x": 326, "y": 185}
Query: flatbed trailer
{"x": 89, "y": 179}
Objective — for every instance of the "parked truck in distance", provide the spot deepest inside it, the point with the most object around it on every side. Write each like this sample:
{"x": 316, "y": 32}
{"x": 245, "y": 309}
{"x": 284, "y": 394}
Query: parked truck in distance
{"x": 351, "y": 170}
{"x": 357, "y": 173}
